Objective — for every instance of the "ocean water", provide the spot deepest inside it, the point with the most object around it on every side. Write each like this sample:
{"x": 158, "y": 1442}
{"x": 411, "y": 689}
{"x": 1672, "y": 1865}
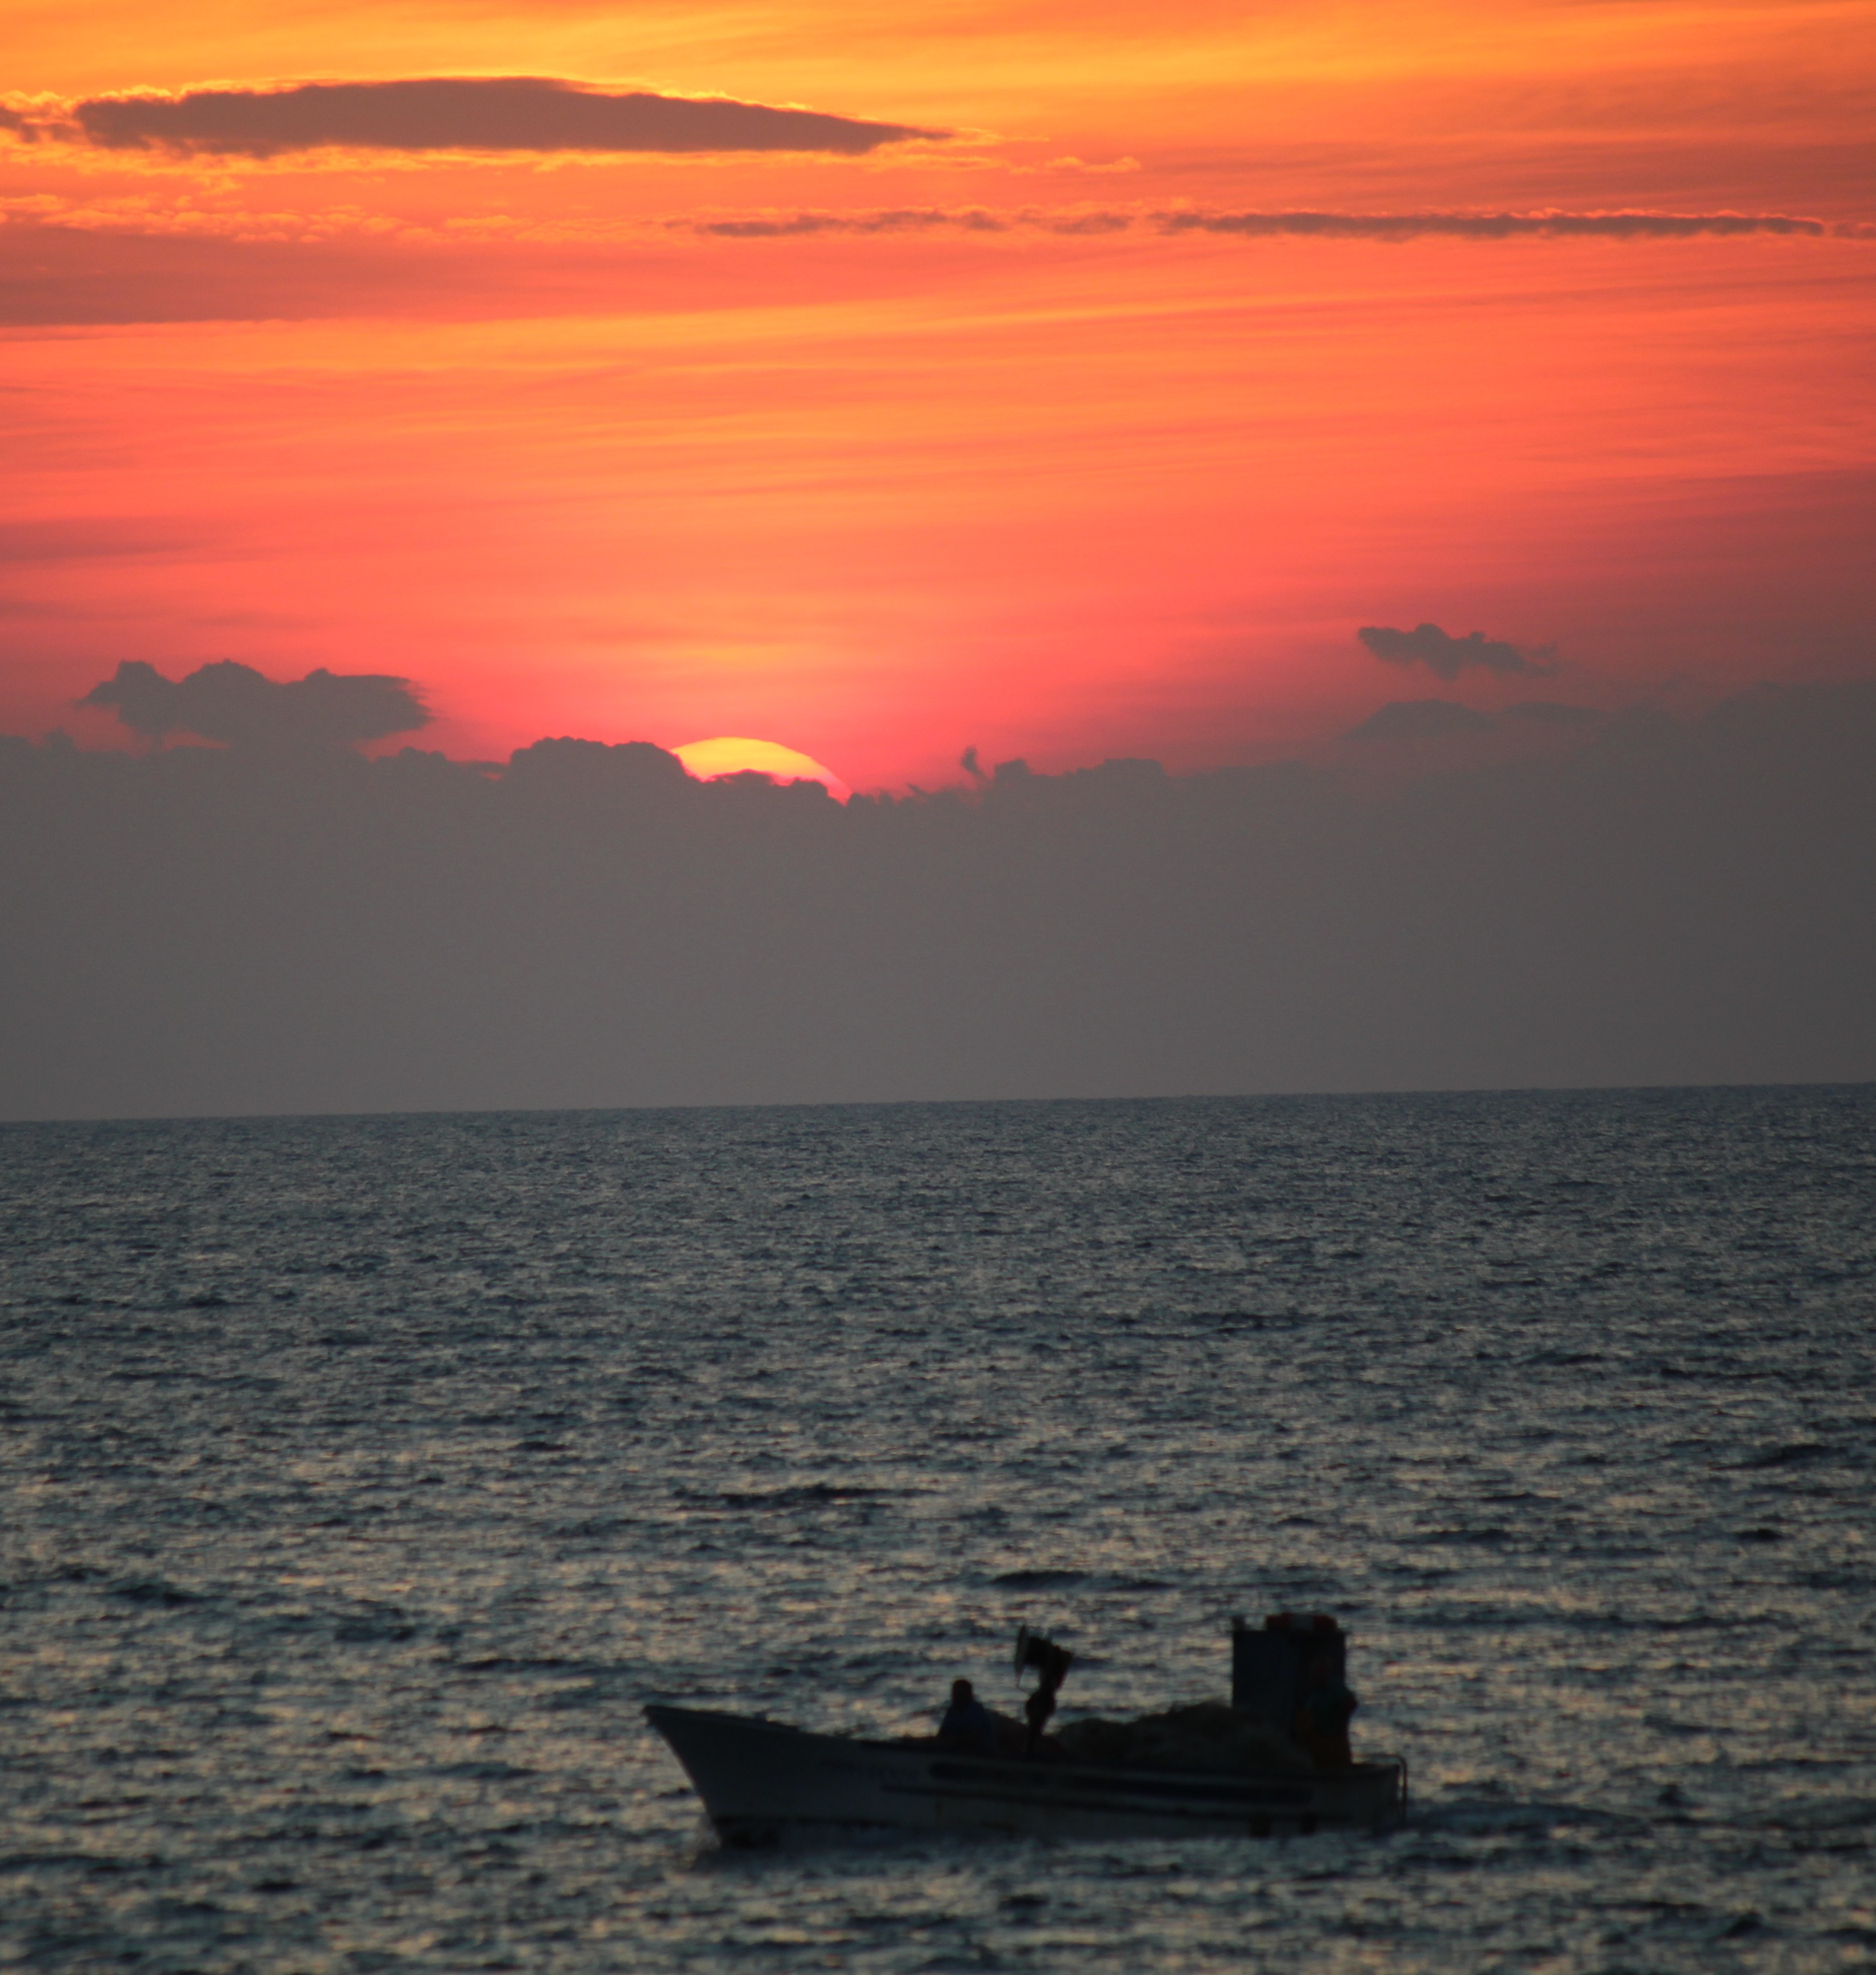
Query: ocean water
{"x": 362, "y": 1478}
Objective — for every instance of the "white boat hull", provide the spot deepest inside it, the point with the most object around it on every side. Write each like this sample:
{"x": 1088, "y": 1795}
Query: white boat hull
{"x": 759, "y": 1779}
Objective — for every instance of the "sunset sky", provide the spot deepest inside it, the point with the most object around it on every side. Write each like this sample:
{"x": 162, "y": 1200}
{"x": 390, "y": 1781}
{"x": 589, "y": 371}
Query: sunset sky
{"x": 1073, "y": 381}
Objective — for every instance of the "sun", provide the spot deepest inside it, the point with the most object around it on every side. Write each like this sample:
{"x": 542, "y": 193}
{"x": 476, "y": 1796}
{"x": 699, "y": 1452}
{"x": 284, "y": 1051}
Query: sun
{"x": 733, "y": 754}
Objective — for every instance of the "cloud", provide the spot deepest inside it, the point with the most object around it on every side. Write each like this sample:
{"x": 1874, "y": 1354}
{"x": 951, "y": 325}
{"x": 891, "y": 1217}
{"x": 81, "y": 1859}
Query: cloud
{"x": 1493, "y": 225}
{"x": 1553, "y": 713}
{"x": 1446, "y": 657}
{"x": 118, "y": 272}
{"x": 34, "y": 543}
{"x": 1421, "y": 720}
{"x": 233, "y": 703}
{"x": 1385, "y": 226}
{"x": 795, "y": 225}
{"x": 537, "y": 114}
{"x": 908, "y": 219}
{"x": 567, "y": 769}
{"x": 226, "y": 930}
{"x": 124, "y": 261}
{"x": 101, "y": 265}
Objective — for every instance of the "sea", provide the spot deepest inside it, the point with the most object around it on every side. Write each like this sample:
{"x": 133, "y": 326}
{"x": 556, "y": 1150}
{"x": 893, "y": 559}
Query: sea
{"x": 362, "y": 1479}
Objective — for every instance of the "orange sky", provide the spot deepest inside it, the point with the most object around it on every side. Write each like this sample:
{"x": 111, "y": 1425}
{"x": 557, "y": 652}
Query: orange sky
{"x": 1044, "y": 466}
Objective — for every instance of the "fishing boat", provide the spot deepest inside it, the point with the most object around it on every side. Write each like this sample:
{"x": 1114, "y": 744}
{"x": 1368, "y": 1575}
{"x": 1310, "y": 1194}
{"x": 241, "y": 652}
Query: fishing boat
{"x": 761, "y": 1780}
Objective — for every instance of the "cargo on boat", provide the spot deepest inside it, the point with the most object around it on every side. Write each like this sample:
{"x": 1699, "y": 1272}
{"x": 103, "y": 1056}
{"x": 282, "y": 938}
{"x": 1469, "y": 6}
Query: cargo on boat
{"x": 1204, "y": 1771}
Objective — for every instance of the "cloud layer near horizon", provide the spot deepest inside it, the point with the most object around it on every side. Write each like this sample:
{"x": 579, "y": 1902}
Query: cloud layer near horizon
{"x": 540, "y": 114}
{"x": 200, "y": 931}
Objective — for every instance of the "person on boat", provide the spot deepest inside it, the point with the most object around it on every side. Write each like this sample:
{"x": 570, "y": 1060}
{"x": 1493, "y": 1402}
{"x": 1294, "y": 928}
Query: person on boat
{"x": 1323, "y": 1715}
{"x": 967, "y": 1723}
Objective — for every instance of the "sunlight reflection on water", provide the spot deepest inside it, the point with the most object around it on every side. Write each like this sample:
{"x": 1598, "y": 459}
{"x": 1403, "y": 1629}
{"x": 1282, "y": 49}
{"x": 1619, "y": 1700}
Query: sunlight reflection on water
{"x": 364, "y": 1478}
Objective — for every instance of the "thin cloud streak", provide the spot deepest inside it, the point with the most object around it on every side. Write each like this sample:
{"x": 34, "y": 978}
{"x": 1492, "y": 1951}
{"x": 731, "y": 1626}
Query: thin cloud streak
{"x": 528, "y": 113}
{"x": 1385, "y": 226}
{"x": 1493, "y": 225}
{"x": 907, "y": 219}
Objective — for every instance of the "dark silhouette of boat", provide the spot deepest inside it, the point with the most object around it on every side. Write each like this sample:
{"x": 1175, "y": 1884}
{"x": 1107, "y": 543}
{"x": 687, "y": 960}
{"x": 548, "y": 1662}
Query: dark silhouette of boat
{"x": 760, "y": 1779}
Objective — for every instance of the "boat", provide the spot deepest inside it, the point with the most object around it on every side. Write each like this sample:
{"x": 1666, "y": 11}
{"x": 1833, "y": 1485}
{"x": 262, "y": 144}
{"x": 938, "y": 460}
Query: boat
{"x": 761, "y": 1780}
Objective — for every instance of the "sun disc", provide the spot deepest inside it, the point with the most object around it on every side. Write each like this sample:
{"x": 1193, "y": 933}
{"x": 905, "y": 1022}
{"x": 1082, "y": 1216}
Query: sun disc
{"x": 735, "y": 754}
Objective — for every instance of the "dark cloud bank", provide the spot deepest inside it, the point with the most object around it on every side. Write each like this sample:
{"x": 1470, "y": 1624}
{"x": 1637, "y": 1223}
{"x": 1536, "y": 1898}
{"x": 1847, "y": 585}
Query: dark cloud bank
{"x": 519, "y": 113}
{"x": 273, "y": 927}
{"x": 1444, "y": 719}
